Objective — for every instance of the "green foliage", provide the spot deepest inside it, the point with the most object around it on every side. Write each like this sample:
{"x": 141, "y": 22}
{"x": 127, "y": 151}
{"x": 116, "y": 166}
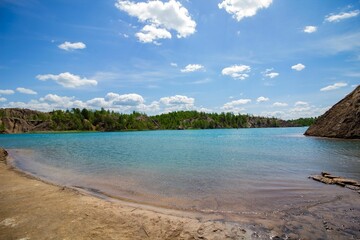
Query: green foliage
{"x": 104, "y": 120}
{"x": 302, "y": 122}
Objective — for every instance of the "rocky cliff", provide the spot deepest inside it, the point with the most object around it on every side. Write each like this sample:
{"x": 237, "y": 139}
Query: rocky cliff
{"x": 14, "y": 120}
{"x": 340, "y": 121}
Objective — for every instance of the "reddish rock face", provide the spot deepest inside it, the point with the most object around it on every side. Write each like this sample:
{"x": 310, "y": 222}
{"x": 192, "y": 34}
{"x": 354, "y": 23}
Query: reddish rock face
{"x": 341, "y": 121}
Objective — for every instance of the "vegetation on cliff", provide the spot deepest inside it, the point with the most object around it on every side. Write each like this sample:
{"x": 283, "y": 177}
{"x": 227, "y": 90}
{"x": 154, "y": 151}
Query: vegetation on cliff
{"x": 24, "y": 120}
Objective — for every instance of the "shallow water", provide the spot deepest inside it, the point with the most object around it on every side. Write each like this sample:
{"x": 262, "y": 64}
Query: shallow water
{"x": 231, "y": 171}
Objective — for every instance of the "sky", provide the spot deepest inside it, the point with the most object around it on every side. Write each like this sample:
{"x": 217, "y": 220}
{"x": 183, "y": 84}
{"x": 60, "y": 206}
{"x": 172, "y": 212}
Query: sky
{"x": 280, "y": 58}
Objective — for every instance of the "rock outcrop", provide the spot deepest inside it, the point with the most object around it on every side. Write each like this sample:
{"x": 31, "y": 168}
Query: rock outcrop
{"x": 341, "y": 121}
{"x": 14, "y": 120}
{"x": 3, "y": 154}
{"x": 327, "y": 178}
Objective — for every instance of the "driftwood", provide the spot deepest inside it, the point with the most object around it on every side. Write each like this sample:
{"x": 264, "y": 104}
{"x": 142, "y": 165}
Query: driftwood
{"x": 327, "y": 178}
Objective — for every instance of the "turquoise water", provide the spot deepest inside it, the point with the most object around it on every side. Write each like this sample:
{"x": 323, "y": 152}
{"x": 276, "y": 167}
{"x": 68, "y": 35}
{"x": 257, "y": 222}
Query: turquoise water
{"x": 228, "y": 170}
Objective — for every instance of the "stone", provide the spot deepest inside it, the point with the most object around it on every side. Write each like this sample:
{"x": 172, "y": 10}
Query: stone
{"x": 322, "y": 179}
{"x": 345, "y": 181}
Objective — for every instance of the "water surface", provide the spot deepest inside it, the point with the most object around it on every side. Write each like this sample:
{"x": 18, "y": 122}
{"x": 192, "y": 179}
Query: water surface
{"x": 226, "y": 171}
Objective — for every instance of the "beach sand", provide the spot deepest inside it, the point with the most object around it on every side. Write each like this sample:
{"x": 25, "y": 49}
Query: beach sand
{"x": 34, "y": 209}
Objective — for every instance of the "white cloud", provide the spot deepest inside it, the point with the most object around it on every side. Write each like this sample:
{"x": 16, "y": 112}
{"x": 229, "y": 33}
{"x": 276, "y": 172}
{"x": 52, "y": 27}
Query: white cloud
{"x": 341, "y": 16}
{"x": 98, "y": 103}
{"x": 310, "y": 29}
{"x": 173, "y": 64}
{"x": 262, "y": 99}
{"x": 305, "y": 111}
{"x": 333, "y": 87}
{"x": 49, "y": 103}
{"x": 298, "y": 67}
{"x": 26, "y": 91}
{"x": 112, "y": 101}
{"x": 131, "y": 99}
{"x": 297, "y": 112}
{"x": 176, "y": 100}
{"x": 68, "y": 46}
{"x": 237, "y": 71}
{"x": 233, "y": 105}
{"x": 150, "y": 33}
{"x": 7, "y": 92}
{"x": 301, "y": 103}
{"x": 159, "y": 18}
{"x": 240, "y": 9}
{"x": 280, "y": 104}
{"x": 68, "y": 80}
{"x": 56, "y": 99}
{"x": 270, "y": 73}
{"x": 3, "y": 99}
{"x": 177, "y": 103}
{"x": 192, "y": 68}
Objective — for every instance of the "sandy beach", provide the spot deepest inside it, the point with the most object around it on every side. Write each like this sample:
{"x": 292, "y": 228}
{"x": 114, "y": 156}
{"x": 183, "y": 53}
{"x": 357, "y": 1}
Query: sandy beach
{"x": 34, "y": 209}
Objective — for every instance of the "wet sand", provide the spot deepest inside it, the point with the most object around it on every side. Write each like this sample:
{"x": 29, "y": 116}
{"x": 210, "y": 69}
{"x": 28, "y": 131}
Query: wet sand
{"x": 33, "y": 209}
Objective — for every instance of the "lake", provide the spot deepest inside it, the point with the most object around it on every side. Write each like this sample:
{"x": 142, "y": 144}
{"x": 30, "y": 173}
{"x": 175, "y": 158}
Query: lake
{"x": 227, "y": 171}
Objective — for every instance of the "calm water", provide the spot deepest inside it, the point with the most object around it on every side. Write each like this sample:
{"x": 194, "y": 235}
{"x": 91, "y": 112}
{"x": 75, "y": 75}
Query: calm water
{"x": 205, "y": 170}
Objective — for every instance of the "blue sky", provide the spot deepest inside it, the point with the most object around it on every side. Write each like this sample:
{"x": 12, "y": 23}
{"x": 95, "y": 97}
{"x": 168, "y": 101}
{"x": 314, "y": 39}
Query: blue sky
{"x": 279, "y": 58}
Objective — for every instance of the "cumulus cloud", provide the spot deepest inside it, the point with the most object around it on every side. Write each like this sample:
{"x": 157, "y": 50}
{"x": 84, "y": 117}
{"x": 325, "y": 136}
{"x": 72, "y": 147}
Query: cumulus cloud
{"x": 341, "y": 16}
{"x": 68, "y": 46}
{"x": 3, "y": 99}
{"x": 176, "y": 100}
{"x": 192, "y": 68}
{"x": 280, "y": 104}
{"x": 26, "y": 91}
{"x": 177, "y": 103}
{"x": 68, "y": 80}
{"x": 159, "y": 19}
{"x": 6, "y": 92}
{"x": 298, "y": 67}
{"x": 234, "y": 106}
{"x": 297, "y": 112}
{"x": 301, "y": 103}
{"x": 112, "y": 101}
{"x": 272, "y": 74}
{"x": 150, "y": 33}
{"x": 310, "y": 29}
{"x": 333, "y": 87}
{"x": 131, "y": 99}
{"x": 240, "y": 9}
{"x": 269, "y": 73}
{"x": 173, "y": 64}
{"x": 58, "y": 101}
{"x": 237, "y": 71}
{"x": 49, "y": 103}
{"x": 262, "y": 99}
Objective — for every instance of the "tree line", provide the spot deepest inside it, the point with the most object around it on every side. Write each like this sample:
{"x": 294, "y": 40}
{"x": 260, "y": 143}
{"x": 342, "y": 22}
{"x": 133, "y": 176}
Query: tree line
{"x": 76, "y": 119}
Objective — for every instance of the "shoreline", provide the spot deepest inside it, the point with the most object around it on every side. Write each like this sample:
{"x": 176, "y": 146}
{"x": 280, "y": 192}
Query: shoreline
{"x": 33, "y": 208}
